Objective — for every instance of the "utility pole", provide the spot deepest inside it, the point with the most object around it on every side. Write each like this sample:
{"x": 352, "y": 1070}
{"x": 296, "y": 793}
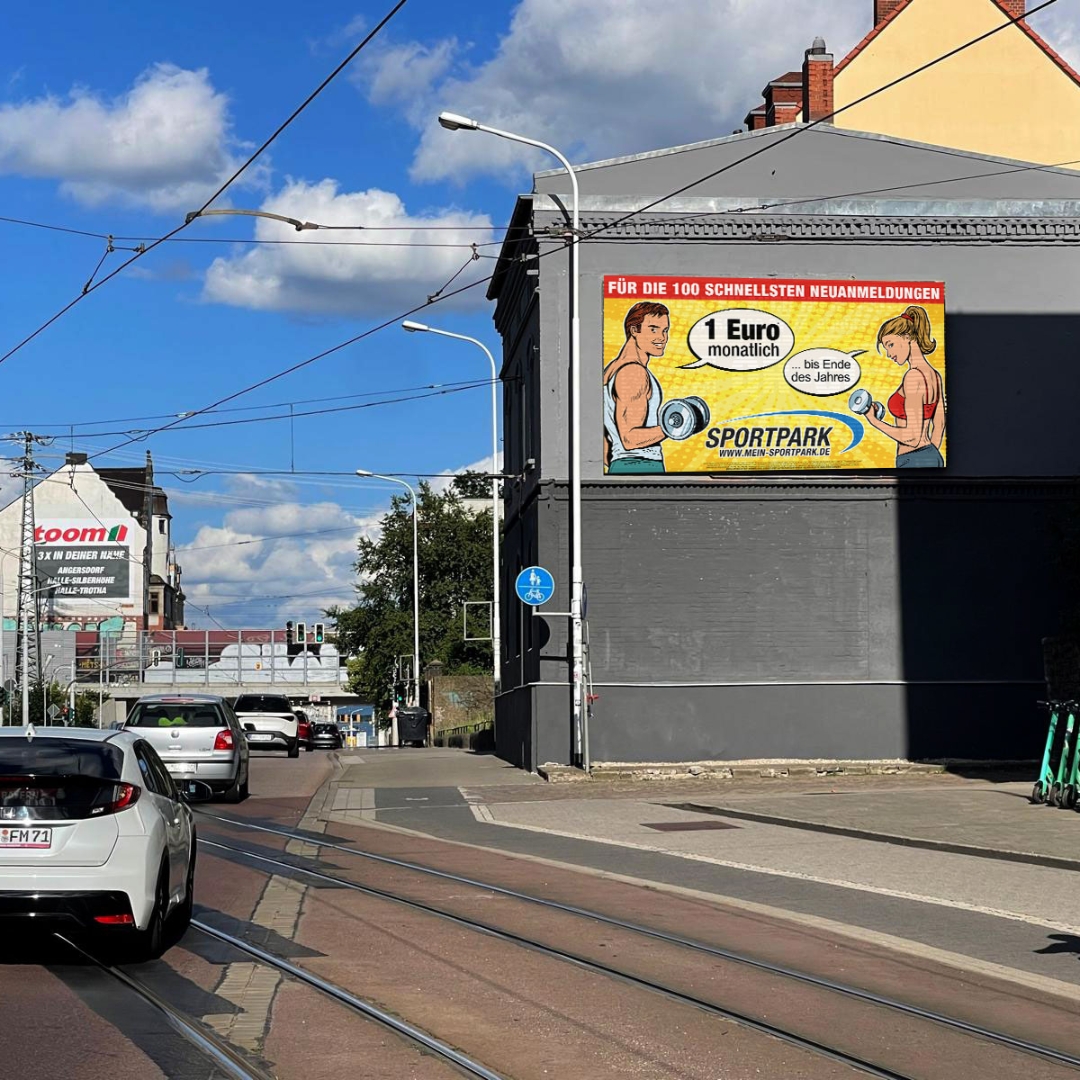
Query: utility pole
{"x": 28, "y": 625}
{"x": 148, "y": 556}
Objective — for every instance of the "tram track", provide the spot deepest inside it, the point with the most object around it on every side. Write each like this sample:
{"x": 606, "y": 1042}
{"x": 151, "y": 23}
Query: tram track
{"x": 813, "y": 1045}
{"x": 225, "y": 1057}
{"x": 218, "y": 1052}
{"x": 906, "y": 1009}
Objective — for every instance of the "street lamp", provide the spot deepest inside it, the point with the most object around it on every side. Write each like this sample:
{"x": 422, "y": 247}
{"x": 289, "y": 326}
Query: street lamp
{"x": 455, "y": 122}
{"x": 44, "y": 691}
{"x": 416, "y": 587}
{"x": 496, "y": 624}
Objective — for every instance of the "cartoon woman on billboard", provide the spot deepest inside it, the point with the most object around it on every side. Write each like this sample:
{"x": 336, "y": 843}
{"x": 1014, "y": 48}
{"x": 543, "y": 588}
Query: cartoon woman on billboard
{"x": 918, "y": 405}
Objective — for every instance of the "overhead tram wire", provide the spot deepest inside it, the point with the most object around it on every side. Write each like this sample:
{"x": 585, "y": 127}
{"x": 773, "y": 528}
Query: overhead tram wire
{"x": 443, "y": 392}
{"x": 220, "y": 191}
{"x": 63, "y": 428}
{"x": 599, "y": 229}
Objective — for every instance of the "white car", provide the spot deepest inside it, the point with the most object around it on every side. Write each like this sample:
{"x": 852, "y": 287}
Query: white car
{"x": 269, "y": 722}
{"x": 95, "y": 837}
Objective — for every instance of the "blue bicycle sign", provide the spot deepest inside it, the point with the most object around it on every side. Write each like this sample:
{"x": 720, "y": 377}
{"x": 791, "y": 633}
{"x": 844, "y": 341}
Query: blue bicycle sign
{"x": 534, "y": 585}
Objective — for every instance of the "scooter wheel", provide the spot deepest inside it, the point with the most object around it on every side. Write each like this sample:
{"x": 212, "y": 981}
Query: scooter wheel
{"x": 1038, "y": 793}
{"x": 1055, "y": 795}
{"x": 1068, "y": 797}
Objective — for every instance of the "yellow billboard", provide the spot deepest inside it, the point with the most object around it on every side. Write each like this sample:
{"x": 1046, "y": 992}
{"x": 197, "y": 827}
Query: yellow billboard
{"x": 715, "y": 375}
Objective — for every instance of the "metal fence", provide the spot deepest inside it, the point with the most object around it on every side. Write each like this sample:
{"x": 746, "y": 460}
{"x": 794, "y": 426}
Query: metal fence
{"x": 237, "y": 657}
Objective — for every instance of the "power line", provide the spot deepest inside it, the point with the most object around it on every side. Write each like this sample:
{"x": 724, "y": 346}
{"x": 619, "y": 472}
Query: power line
{"x": 772, "y": 145}
{"x": 181, "y": 550}
{"x": 220, "y": 191}
{"x": 252, "y": 240}
{"x": 431, "y": 390}
{"x": 295, "y": 415}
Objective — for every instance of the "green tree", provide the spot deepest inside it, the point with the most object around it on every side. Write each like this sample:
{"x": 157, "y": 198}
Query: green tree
{"x": 86, "y": 706}
{"x": 455, "y": 566}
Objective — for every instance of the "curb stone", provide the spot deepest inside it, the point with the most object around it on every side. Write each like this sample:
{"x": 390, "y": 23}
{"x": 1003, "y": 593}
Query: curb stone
{"x": 560, "y": 774}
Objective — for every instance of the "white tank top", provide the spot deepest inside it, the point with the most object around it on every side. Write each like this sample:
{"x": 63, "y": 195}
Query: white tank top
{"x": 618, "y": 451}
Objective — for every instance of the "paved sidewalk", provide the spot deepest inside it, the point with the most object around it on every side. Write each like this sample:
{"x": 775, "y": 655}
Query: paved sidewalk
{"x": 979, "y": 816}
{"x": 964, "y": 866}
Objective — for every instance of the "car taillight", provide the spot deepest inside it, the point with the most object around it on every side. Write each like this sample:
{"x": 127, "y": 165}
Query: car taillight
{"x": 123, "y": 796}
{"x": 224, "y": 740}
{"x": 115, "y": 920}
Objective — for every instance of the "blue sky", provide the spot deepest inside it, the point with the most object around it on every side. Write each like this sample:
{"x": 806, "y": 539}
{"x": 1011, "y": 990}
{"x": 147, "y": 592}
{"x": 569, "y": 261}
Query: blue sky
{"x": 118, "y": 124}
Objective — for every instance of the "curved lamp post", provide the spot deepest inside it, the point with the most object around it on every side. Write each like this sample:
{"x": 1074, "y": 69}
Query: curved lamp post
{"x": 416, "y": 586}
{"x": 496, "y": 625}
{"x": 455, "y": 122}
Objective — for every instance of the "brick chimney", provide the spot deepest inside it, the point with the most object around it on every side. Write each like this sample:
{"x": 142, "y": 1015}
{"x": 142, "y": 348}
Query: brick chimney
{"x": 755, "y": 119}
{"x": 817, "y": 81}
{"x": 783, "y": 99}
{"x": 1015, "y": 9}
{"x": 884, "y": 8}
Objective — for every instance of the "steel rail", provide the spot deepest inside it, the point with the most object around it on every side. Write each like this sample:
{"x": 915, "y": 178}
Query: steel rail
{"x": 218, "y": 1051}
{"x": 342, "y": 996}
{"x": 762, "y": 1027}
{"x": 1000, "y": 1038}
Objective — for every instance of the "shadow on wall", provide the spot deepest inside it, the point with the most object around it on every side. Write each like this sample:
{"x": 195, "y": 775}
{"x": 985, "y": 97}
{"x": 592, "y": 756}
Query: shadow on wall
{"x": 987, "y": 570}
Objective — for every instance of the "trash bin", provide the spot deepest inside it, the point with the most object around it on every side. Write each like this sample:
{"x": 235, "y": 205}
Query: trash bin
{"x": 412, "y": 725}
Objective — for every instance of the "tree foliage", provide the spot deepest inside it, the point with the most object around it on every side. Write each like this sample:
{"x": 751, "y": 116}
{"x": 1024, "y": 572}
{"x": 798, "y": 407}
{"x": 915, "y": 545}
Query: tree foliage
{"x": 86, "y": 706}
{"x": 455, "y": 566}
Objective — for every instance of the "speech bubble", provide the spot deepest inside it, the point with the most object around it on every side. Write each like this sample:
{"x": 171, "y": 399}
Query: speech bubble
{"x": 823, "y": 372}
{"x": 740, "y": 339}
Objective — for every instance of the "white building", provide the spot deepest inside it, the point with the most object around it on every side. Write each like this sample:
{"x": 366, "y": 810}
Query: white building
{"x": 91, "y": 546}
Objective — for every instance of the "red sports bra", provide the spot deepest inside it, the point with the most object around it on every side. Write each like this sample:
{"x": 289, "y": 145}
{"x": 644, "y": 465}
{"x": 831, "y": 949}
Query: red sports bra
{"x": 896, "y": 407}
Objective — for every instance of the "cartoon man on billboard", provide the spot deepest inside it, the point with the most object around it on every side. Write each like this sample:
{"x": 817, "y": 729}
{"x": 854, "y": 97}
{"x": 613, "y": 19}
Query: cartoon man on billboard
{"x": 633, "y": 396}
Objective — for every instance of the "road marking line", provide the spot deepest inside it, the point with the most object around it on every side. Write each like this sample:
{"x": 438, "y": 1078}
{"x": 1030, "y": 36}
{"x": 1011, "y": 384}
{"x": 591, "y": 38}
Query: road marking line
{"x": 484, "y": 815}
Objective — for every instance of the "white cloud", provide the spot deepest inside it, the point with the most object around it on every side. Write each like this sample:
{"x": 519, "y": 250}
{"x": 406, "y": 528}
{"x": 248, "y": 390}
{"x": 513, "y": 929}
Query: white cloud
{"x": 166, "y": 143}
{"x": 1060, "y": 26}
{"x": 242, "y": 584}
{"x": 351, "y": 279}
{"x": 599, "y": 78}
{"x": 404, "y": 74}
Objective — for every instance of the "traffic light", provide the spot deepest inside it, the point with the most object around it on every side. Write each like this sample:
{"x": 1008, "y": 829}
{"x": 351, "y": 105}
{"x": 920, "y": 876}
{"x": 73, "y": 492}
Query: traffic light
{"x": 301, "y": 633}
{"x": 289, "y": 632}
{"x": 399, "y": 692}
{"x": 318, "y": 633}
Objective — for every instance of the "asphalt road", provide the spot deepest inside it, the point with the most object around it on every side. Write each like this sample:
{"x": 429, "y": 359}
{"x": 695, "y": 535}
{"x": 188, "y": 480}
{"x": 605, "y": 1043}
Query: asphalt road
{"x": 523, "y": 1012}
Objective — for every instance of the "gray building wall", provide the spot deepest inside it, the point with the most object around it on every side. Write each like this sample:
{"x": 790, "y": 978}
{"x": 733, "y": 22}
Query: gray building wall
{"x": 808, "y": 616}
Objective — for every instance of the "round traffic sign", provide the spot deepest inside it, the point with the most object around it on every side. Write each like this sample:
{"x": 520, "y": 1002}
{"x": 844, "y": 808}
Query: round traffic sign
{"x": 534, "y": 585}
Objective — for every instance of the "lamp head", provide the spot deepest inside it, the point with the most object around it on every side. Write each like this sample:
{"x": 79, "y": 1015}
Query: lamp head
{"x": 455, "y": 122}
{"x": 415, "y": 327}
{"x": 364, "y": 472}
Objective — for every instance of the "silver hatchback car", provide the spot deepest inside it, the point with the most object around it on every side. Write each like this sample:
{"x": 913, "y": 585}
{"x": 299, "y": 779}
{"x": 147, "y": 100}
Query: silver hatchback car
{"x": 198, "y": 737}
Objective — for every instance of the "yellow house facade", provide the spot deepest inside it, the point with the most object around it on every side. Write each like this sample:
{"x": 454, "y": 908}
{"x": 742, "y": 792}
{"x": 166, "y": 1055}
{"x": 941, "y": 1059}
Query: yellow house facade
{"x": 1010, "y": 95}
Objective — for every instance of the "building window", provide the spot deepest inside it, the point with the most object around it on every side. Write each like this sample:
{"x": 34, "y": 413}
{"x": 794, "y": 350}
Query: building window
{"x": 161, "y": 526}
{"x": 155, "y": 603}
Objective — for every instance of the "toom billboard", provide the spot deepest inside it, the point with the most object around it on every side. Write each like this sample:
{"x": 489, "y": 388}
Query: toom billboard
{"x": 712, "y": 375}
{"x": 83, "y": 560}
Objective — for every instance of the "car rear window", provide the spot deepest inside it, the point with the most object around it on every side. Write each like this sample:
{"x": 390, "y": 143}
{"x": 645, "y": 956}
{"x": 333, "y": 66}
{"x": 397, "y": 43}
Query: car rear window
{"x": 167, "y": 714}
{"x": 325, "y": 729}
{"x": 262, "y": 703}
{"x": 60, "y": 757}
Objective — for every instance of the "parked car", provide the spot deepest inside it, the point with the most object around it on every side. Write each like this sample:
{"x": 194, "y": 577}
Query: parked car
{"x": 95, "y": 837}
{"x": 303, "y": 729}
{"x": 326, "y": 736}
{"x": 269, "y": 722}
{"x": 199, "y": 737}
